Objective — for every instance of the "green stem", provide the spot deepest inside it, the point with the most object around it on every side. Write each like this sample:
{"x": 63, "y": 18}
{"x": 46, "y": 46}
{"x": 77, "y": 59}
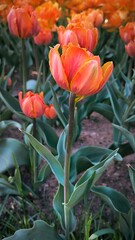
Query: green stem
{"x": 67, "y": 162}
{"x": 24, "y": 76}
{"x": 35, "y": 165}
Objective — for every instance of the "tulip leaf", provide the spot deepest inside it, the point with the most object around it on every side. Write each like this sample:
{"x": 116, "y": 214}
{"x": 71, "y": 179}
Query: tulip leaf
{"x": 101, "y": 232}
{"x": 58, "y": 109}
{"x": 61, "y": 146}
{"x": 80, "y": 190}
{"x": 11, "y": 149}
{"x": 129, "y": 136}
{"x": 49, "y": 157}
{"x": 58, "y": 204}
{"x": 40, "y": 230}
{"x": 50, "y": 135}
{"x": 8, "y": 123}
{"x": 104, "y": 109}
{"x": 116, "y": 106}
{"x": 88, "y": 179}
{"x": 127, "y": 224}
{"x": 113, "y": 198}
{"x": 88, "y": 156}
{"x": 132, "y": 175}
{"x": 12, "y": 103}
{"x": 6, "y": 188}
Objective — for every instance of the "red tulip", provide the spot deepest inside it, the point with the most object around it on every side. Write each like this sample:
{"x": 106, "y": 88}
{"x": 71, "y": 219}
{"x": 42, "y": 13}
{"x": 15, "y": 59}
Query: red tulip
{"x": 32, "y": 104}
{"x": 43, "y": 37}
{"x": 78, "y": 71}
{"x": 50, "y": 112}
{"x": 130, "y": 48}
{"x": 127, "y": 32}
{"x": 22, "y": 22}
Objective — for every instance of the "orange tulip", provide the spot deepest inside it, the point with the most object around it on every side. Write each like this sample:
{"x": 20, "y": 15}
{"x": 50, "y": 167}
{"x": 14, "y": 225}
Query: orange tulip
{"x": 130, "y": 48}
{"x": 43, "y": 37}
{"x": 32, "y": 104}
{"x": 77, "y": 70}
{"x": 50, "y": 112}
{"x": 22, "y": 22}
{"x": 127, "y": 32}
{"x": 78, "y": 35}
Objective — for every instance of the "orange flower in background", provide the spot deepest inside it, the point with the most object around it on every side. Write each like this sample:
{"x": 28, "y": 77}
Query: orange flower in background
{"x": 78, "y": 35}
{"x": 43, "y": 37}
{"x": 127, "y": 32}
{"x": 78, "y": 71}
{"x": 32, "y": 104}
{"x": 48, "y": 14}
{"x": 130, "y": 48}
{"x": 5, "y": 6}
{"x": 89, "y": 18}
{"x": 50, "y": 111}
{"x": 33, "y": 3}
{"x": 22, "y": 22}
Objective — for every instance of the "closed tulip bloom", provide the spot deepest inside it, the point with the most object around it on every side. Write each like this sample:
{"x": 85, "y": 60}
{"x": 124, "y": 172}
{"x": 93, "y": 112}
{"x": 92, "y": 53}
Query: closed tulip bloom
{"x": 127, "y": 32}
{"x": 44, "y": 37}
{"x": 32, "y": 104}
{"x": 130, "y": 48}
{"x": 50, "y": 111}
{"x": 78, "y": 71}
{"x": 78, "y": 35}
{"x": 22, "y": 22}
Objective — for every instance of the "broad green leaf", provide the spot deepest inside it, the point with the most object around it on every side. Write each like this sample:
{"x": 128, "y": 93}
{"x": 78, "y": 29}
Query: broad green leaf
{"x": 51, "y": 137}
{"x": 58, "y": 205}
{"x": 87, "y": 156}
{"x": 87, "y": 180}
{"x": 127, "y": 224}
{"x": 114, "y": 198}
{"x": 99, "y": 168}
{"x": 132, "y": 175}
{"x": 101, "y": 232}
{"x": 8, "y": 123}
{"x": 80, "y": 191}
{"x": 104, "y": 109}
{"x": 12, "y": 103}
{"x": 61, "y": 146}
{"x": 49, "y": 157}
{"x": 129, "y": 136}
{"x": 116, "y": 106}
{"x": 40, "y": 230}
{"x": 11, "y": 149}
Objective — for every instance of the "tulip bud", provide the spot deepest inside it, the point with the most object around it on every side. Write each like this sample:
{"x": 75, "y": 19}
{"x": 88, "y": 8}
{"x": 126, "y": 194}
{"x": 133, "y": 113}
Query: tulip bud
{"x": 50, "y": 112}
{"x": 32, "y": 104}
{"x": 22, "y": 22}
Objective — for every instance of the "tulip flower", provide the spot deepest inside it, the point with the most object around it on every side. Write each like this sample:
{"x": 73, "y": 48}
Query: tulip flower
{"x": 127, "y": 32}
{"x": 130, "y": 48}
{"x": 32, "y": 104}
{"x": 44, "y": 37}
{"x": 50, "y": 112}
{"x": 78, "y": 71}
{"x": 22, "y": 22}
{"x": 78, "y": 35}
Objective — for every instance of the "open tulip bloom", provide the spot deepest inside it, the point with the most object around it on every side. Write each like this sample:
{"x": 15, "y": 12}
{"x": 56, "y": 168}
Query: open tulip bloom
{"x": 78, "y": 70}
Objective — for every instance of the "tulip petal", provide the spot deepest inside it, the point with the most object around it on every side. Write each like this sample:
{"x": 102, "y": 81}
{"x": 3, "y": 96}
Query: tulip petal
{"x": 57, "y": 69}
{"x": 107, "y": 69}
{"x": 88, "y": 79}
{"x": 76, "y": 58}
